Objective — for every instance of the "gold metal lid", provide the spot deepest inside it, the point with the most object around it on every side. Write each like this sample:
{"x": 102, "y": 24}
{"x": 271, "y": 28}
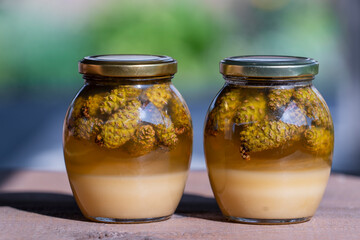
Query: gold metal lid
{"x": 128, "y": 65}
{"x": 268, "y": 66}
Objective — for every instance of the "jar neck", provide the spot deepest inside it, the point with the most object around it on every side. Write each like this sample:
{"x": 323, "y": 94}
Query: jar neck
{"x": 269, "y": 82}
{"x": 103, "y": 80}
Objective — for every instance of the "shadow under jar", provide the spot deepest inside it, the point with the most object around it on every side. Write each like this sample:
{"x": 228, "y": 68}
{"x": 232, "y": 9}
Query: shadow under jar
{"x": 127, "y": 139}
{"x": 268, "y": 140}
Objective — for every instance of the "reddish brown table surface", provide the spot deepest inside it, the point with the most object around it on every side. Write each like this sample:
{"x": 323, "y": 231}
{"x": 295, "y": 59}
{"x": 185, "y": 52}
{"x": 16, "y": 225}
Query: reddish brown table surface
{"x": 39, "y": 205}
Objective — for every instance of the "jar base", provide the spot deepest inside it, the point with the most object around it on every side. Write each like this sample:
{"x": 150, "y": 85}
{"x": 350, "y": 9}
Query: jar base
{"x": 267, "y": 221}
{"x": 129, "y": 221}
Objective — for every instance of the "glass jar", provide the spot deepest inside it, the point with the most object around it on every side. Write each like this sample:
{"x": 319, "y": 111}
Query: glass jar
{"x": 127, "y": 139}
{"x": 268, "y": 140}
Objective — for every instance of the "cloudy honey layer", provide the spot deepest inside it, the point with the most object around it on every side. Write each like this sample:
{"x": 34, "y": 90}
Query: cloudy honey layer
{"x": 269, "y": 194}
{"x": 128, "y": 197}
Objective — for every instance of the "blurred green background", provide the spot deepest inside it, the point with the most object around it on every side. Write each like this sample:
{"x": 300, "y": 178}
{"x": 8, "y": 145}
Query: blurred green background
{"x": 42, "y": 41}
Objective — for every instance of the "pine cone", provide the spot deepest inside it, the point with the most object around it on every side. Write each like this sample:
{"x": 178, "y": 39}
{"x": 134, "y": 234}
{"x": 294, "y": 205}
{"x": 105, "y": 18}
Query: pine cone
{"x": 268, "y": 135}
{"x": 313, "y": 107}
{"x": 120, "y": 126}
{"x": 86, "y": 128}
{"x": 158, "y": 95}
{"x": 252, "y": 109}
{"x": 180, "y": 116}
{"x": 91, "y": 107}
{"x": 166, "y": 135}
{"x": 225, "y": 109}
{"x": 78, "y": 105}
{"x": 143, "y": 141}
{"x": 318, "y": 140}
{"x": 279, "y": 97}
{"x": 118, "y": 98}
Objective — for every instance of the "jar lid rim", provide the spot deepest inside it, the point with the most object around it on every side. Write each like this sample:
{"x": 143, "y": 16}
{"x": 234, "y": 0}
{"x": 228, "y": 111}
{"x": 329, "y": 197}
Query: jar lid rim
{"x": 268, "y": 66}
{"x": 128, "y": 65}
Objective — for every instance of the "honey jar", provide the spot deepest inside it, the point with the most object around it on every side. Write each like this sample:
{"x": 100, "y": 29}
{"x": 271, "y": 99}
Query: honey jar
{"x": 268, "y": 140}
{"x": 127, "y": 139}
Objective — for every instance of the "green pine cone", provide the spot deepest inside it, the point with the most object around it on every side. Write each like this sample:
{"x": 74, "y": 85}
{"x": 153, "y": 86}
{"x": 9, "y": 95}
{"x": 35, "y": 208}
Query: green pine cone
{"x": 120, "y": 126}
{"x": 313, "y": 107}
{"x": 318, "y": 140}
{"x": 91, "y": 106}
{"x": 143, "y": 141}
{"x": 180, "y": 116}
{"x": 279, "y": 97}
{"x": 86, "y": 128}
{"x": 166, "y": 135}
{"x": 77, "y": 107}
{"x": 320, "y": 117}
{"x": 268, "y": 135}
{"x": 251, "y": 110}
{"x": 225, "y": 109}
{"x": 158, "y": 95}
{"x": 118, "y": 98}
{"x": 76, "y": 112}
{"x": 304, "y": 96}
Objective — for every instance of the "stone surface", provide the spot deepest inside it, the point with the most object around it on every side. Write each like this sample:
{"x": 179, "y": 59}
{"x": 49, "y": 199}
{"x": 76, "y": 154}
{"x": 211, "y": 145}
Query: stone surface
{"x": 39, "y": 205}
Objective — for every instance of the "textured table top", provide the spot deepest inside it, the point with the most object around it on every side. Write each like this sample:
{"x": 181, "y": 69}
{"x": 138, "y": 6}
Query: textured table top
{"x": 39, "y": 205}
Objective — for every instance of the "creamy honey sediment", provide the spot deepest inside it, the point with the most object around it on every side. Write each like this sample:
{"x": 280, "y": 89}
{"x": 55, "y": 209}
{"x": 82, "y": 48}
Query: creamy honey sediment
{"x": 269, "y": 194}
{"x": 128, "y": 197}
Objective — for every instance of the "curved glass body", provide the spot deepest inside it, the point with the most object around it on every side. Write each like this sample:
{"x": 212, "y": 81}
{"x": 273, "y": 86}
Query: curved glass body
{"x": 268, "y": 148}
{"x": 127, "y": 148}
